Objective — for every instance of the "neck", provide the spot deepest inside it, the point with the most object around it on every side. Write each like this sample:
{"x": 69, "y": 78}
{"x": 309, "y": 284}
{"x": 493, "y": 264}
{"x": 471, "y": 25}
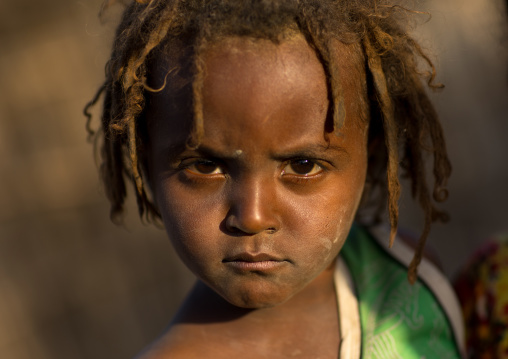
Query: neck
{"x": 306, "y": 323}
{"x": 203, "y": 305}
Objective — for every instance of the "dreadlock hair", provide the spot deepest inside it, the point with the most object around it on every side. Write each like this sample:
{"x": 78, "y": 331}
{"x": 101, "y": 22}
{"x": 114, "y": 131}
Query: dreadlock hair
{"x": 403, "y": 123}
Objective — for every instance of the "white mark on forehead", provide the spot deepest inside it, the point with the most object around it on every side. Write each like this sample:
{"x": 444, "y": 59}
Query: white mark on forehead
{"x": 238, "y": 153}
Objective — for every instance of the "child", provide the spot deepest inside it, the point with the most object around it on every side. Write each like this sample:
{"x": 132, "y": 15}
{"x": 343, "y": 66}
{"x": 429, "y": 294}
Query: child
{"x": 256, "y": 130}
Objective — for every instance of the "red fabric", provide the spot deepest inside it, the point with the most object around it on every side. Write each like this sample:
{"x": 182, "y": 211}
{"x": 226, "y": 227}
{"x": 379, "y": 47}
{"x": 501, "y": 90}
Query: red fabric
{"x": 482, "y": 288}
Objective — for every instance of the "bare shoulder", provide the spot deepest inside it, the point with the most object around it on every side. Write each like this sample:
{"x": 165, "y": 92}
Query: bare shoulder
{"x": 174, "y": 343}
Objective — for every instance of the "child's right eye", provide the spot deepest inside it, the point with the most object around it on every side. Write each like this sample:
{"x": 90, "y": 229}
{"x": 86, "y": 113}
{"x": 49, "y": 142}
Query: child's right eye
{"x": 204, "y": 167}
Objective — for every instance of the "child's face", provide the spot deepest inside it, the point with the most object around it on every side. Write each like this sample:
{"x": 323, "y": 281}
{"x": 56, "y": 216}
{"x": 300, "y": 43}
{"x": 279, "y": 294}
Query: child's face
{"x": 265, "y": 203}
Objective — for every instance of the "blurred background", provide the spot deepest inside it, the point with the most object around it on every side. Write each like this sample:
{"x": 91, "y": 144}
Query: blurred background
{"x": 73, "y": 285}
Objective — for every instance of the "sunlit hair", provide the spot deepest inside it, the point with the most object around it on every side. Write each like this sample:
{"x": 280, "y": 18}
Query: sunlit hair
{"x": 403, "y": 123}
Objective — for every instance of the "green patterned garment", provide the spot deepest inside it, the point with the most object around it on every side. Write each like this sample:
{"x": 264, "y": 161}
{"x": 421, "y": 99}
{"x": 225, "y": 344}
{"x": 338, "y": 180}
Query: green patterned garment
{"x": 398, "y": 320}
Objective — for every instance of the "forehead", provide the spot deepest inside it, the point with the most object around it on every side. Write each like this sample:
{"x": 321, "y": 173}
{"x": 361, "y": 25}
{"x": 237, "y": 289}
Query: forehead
{"x": 263, "y": 78}
{"x": 256, "y": 65}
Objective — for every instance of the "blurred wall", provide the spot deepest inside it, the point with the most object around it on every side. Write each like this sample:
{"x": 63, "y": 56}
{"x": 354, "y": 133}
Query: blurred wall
{"x": 469, "y": 42}
{"x": 72, "y": 285}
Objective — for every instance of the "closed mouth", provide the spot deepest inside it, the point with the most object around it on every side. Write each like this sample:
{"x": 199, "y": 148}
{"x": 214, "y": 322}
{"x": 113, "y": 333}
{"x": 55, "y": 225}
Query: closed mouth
{"x": 261, "y": 263}
{"x": 252, "y": 258}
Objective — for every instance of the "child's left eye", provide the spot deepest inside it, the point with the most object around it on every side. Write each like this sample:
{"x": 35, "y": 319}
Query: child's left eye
{"x": 204, "y": 167}
{"x": 302, "y": 167}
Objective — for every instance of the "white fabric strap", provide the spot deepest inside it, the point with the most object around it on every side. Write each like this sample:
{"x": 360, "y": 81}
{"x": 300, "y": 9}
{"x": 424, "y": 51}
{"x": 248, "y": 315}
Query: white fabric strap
{"x": 349, "y": 314}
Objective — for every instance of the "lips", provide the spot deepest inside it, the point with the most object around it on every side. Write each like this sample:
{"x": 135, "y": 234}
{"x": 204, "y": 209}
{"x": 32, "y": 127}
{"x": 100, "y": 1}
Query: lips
{"x": 254, "y": 262}
{"x": 248, "y": 257}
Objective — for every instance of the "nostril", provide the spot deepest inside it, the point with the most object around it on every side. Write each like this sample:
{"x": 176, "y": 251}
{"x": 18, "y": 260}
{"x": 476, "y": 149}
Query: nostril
{"x": 239, "y": 225}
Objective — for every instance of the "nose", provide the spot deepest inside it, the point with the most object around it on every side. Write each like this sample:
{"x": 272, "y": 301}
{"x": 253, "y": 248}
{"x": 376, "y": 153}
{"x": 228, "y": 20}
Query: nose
{"x": 253, "y": 207}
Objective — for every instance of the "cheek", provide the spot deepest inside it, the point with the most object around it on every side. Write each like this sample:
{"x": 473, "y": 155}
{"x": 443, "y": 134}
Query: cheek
{"x": 335, "y": 231}
{"x": 191, "y": 224}
{"x": 323, "y": 232}
{"x": 335, "y": 215}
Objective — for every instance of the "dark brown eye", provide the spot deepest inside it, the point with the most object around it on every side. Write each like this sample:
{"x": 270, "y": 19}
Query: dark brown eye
{"x": 302, "y": 168}
{"x": 204, "y": 167}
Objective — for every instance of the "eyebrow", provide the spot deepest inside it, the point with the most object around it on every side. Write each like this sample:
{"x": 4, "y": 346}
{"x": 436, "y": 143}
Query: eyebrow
{"x": 303, "y": 151}
{"x": 177, "y": 150}
{"x": 311, "y": 150}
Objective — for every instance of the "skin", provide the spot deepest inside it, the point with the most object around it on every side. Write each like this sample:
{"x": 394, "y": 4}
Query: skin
{"x": 260, "y": 210}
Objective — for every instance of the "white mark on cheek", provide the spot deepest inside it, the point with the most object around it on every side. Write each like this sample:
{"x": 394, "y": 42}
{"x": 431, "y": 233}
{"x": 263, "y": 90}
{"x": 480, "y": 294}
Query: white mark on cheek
{"x": 343, "y": 225}
{"x": 326, "y": 243}
{"x": 337, "y": 237}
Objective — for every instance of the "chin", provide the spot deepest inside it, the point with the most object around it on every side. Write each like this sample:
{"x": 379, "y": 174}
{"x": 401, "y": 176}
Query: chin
{"x": 256, "y": 300}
